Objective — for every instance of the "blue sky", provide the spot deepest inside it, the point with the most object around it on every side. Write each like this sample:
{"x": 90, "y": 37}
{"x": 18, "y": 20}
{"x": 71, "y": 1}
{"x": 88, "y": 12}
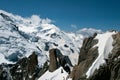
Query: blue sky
{"x": 70, "y": 15}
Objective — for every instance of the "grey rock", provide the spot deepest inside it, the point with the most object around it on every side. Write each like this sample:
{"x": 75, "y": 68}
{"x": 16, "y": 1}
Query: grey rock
{"x": 86, "y": 57}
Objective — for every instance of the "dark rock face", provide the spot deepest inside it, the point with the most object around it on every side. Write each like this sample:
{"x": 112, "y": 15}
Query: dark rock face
{"x": 6, "y": 17}
{"x": 24, "y": 69}
{"x": 86, "y": 58}
{"x": 57, "y": 60}
{"x": 4, "y": 72}
{"x": 19, "y": 70}
{"x": 43, "y": 69}
{"x": 108, "y": 71}
{"x": 53, "y": 60}
{"x": 111, "y": 70}
{"x": 33, "y": 63}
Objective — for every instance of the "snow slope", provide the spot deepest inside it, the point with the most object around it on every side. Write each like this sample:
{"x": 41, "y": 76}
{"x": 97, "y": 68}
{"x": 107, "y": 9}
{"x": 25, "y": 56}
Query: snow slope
{"x": 13, "y": 43}
{"x": 59, "y": 74}
{"x": 104, "y": 48}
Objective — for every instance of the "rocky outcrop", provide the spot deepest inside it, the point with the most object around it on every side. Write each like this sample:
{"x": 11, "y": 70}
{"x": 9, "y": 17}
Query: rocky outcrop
{"x": 28, "y": 69}
{"x": 110, "y": 70}
{"x": 88, "y": 54}
{"x": 57, "y": 60}
{"x": 43, "y": 69}
{"x": 24, "y": 69}
{"x": 32, "y": 63}
{"x": 4, "y": 72}
{"x": 7, "y": 18}
{"x": 53, "y": 60}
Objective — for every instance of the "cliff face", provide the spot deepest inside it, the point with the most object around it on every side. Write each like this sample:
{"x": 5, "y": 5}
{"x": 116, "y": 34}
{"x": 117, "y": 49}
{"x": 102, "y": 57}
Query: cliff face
{"x": 110, "y": 70}
{"x": 87, "y": 55}
{"x": 57, "y": 59}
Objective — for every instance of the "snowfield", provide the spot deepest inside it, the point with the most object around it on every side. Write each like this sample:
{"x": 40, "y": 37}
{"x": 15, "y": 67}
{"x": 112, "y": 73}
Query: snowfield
{"x": 59, "y": 74}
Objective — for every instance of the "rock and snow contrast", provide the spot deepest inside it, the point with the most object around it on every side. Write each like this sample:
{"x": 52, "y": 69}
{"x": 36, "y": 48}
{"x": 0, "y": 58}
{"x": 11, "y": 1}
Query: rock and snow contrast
{"x": 104, "y": 48}
{"x": 35, "y": 49}
{"x": 59, "y": 74}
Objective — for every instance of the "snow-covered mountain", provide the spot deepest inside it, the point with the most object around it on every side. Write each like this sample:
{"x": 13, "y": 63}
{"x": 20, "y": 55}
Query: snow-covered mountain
{"x": 94, "y": 53}
{"x": 88, "y": 31}
{"x": 20, "y": 37}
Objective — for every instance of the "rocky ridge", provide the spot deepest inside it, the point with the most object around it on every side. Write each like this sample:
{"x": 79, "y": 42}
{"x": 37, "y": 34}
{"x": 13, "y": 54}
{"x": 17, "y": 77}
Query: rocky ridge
{"x": 110, "y": 70}
{"x": 86, "y": 57}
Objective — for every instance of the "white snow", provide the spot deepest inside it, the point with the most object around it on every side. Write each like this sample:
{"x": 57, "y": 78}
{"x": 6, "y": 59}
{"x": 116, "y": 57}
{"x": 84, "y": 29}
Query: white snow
{"x": 59, "y": 74}
{"x": 3, "y": 60}
{"x": 88, "y": 31}
{"x": 27, "y": 29}
{"x": 104, "y": 48}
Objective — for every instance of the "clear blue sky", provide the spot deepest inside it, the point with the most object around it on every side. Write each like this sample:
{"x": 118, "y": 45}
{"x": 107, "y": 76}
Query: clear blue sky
{"x": 99, "y": 14}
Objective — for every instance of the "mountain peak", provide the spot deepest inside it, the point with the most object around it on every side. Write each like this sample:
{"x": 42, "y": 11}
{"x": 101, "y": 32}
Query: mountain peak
{"x": 88, "y": 31}
{"x": 40, "y": 33}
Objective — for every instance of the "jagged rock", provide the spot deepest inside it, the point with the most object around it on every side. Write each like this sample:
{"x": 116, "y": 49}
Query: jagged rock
{"x": 43, "y": 69}
{"x": 110, "y": 70}
{"x": 63, "y": 61}
{"x": 33, "y": 63}
{"x": 19, "y": 70}
{"x": 25, "y": 69}
{"x": 7, "y": 18}
{"x": 116, "y": 45}
{"x": 86, "y": 57}
{"x": 53, "y": 60}
{"x": 4, "y": 72}
{"x": 57, "y": 60}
